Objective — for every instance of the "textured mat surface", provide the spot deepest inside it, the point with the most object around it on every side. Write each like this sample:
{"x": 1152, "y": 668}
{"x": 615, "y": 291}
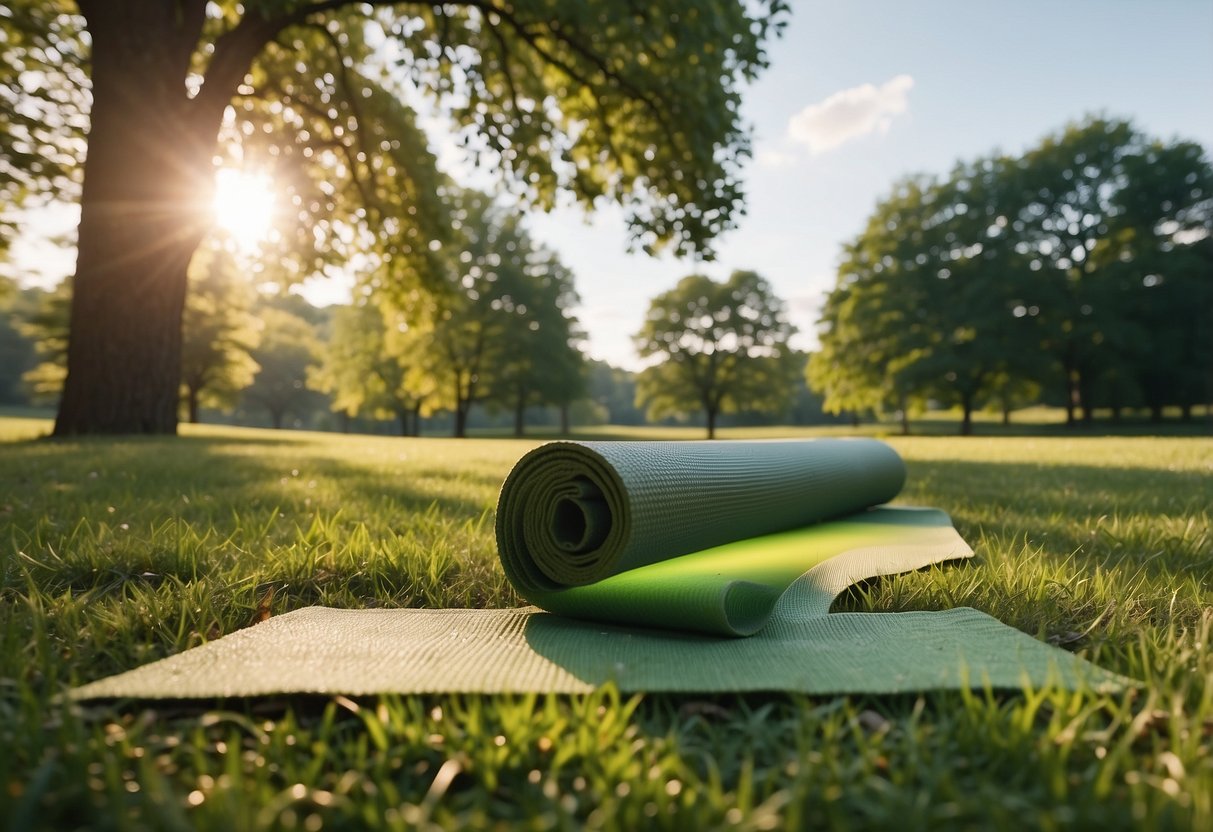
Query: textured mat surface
{"x": 655, "y": 557}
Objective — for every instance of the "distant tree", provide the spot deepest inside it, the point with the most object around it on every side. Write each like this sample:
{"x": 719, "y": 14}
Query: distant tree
{"x": 17, "y": 349}
{"x": 989, "y": 283}
{"x": 218, "y": 333}
{"x": 719, "y": 347}
{"x": 614, "y": 390}
{"x": 925, "y": 306}
{"x": 1009, "y": 392}
{"x": 369, "y": 368}
{"x": 537, "y": 360}
{"x": 1103, "y": 207}
{"x": 499, "y": 329}
{"x": 563, "y": 380}
{"x": 1068, "y": 211}
{"x": 589, "y": 98}
{"x": 867, "y": 338}
{"x": 807, "y": 406}
{"x": 288, "y": 347}
{"x": 46, "y": 324}
{"x": 1167, "y": 257}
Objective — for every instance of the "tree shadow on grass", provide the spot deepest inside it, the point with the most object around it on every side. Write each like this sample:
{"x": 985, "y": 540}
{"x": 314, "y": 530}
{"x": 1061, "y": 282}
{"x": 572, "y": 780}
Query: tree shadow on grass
{"x": 1073, "y": 553}
{"x": 155, "y": 469}
{"x": 1097, "y": 514}
{"x": 111, "y": 516}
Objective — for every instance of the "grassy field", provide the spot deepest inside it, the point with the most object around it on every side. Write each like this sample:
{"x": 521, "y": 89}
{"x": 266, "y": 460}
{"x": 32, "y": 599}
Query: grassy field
{"x": 115, "y": 553}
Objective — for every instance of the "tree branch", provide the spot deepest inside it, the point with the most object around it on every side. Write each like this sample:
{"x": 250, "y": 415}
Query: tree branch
{"x": 236, "y": 48}
{"x": 352, "y": 100}
{"x": 588, "y": 54}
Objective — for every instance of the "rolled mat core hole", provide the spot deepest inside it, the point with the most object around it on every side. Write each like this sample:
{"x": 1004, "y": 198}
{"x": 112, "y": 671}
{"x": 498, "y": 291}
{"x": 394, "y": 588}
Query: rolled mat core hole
{"x": 580, "y": 524}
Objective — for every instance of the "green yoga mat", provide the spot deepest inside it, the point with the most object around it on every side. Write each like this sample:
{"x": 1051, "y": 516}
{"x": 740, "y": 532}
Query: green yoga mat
{"x": 653, "y": 560}
{"x": 602, "y": 530}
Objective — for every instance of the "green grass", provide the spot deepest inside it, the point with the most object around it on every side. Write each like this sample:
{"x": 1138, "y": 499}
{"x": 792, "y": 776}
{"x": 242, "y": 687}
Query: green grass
{"x": 115, "y": 553}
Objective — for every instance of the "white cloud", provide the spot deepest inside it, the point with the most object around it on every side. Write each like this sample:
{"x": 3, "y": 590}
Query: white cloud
{"x": 851, "y": 113}
{"x": 774, "y": 159}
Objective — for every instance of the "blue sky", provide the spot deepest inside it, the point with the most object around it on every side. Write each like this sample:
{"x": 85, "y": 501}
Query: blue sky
{"x": 860, "y": 93}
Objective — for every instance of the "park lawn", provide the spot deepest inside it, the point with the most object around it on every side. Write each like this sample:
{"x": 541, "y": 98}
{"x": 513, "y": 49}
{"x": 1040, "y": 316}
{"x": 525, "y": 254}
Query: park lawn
{"x": 115, "y": 553}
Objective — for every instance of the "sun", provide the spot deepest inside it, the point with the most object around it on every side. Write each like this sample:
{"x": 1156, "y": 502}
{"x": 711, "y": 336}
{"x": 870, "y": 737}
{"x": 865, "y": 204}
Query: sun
{"x": 244, "y": 206}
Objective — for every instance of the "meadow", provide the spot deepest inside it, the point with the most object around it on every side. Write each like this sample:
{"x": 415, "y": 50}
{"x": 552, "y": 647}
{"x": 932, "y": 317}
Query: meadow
{"x": 114, "y": 553}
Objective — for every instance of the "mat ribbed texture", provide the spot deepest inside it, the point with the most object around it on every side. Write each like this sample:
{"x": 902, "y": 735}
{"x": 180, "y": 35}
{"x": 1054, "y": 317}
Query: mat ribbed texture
{"x": 656, "y": 556}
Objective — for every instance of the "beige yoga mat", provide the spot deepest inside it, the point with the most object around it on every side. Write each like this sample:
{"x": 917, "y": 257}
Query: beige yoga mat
{"x": 664, "y": 566}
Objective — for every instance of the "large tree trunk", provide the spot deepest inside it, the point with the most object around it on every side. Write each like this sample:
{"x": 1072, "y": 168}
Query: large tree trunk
{"x": 711, "y": 411}
{"x": 143, "y": 211}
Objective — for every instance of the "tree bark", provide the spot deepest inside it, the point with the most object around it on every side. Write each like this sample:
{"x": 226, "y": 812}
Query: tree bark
{"x": 711, "y": 411}
{"x": 966, "y": 421}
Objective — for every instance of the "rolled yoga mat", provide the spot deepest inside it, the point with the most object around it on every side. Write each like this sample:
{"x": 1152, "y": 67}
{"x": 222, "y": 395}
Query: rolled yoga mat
{"x": 655, "y": 557}
{"x": 573, "y": 516}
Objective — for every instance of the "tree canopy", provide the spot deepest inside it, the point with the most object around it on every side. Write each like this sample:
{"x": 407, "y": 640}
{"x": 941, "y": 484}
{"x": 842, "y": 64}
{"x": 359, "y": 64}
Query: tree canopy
{"x": 500, "y": 326}
{"x": 720, "y": 347}
{"x": 371, "y": 367}
{"x": 1062, "y": 269}
{"x": 288, "y": 347}
{"x": 595, "y": 99}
